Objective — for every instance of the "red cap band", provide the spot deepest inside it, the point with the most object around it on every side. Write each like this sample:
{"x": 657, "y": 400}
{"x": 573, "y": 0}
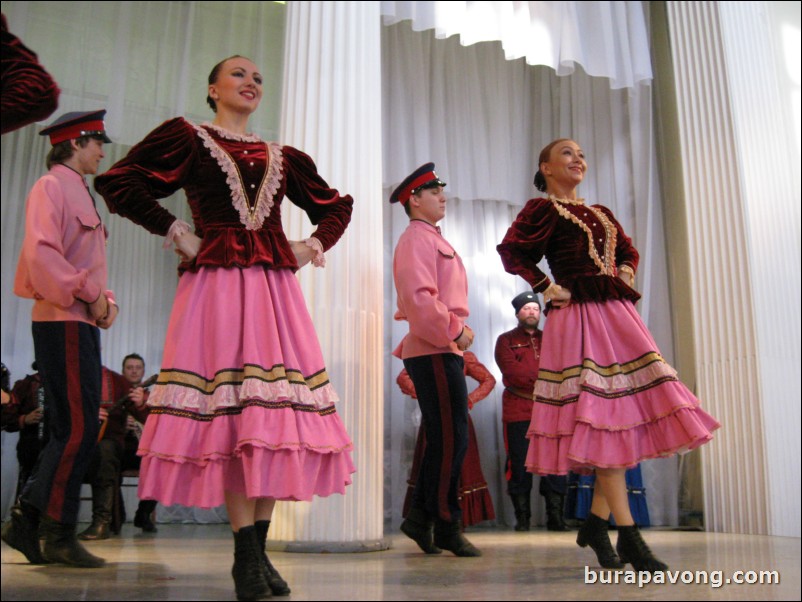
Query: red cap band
{"x": 85, "y": 128}
{"x": 404, "y": 195}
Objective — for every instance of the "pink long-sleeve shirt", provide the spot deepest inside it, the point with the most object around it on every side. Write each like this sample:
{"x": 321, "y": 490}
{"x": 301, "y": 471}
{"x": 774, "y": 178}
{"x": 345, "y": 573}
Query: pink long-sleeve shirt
{"x": 63, "y": 260}
{"x": 432, "y": 291}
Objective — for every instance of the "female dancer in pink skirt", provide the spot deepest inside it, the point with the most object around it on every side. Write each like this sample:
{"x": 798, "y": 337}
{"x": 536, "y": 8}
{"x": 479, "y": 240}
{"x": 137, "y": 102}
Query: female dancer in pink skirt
{"x": 243, "y": 411}
{"x": 605, "y": 399}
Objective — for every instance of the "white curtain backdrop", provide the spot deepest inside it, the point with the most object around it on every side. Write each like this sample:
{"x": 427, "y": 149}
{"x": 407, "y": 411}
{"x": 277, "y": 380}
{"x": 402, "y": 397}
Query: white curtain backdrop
{"x": 483, "y": 121}
{"x": 609, "y": 39}
{"x": 144, "y": 62}
{"x": 480, "y": 118}
{"x": 332, "y": 110}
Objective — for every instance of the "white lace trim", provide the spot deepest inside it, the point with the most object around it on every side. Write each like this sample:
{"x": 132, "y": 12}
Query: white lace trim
{"x": 231, "y": 135}
{"x": 251, "y": 217}
{"x": 607, "y": 265}
{"x": 319, "y": 260}
{"x": 177, "y": 396}
{"x": 178, "y": 228}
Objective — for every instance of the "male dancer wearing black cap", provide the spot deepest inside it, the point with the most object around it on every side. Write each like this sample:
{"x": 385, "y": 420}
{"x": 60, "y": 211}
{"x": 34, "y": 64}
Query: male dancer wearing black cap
{"x": 518, "y": 358}
{"x": 62, "y": 267}
{"x": 433, "y": 297}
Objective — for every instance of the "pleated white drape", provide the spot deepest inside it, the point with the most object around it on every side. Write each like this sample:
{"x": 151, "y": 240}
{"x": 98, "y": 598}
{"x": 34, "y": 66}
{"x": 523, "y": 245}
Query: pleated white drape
{"x": 741, "y": 174}
{"x": 483, "y": 121}
{"x": 332, "y": 110}
{"x": 608, "y": 39}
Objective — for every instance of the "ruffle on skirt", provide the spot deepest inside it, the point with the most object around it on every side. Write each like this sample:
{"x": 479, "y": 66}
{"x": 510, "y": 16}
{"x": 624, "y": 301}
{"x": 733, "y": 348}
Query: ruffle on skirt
{"x": 605, "y": 398}
{"x": 262, "y": 452}
{"x": 243, "y": 402}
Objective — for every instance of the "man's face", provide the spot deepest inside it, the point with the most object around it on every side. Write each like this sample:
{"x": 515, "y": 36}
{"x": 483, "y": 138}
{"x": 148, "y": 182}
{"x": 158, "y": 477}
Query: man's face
{"x": 429, "y": 204}
{"x": 134, "y": 370}
{"x": 529, "y": 315}
{"x": 88, "y": 157}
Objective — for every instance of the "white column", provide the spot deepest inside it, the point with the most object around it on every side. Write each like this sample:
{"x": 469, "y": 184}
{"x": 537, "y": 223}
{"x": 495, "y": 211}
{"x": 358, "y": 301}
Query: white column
{"x": 332, "y": 111}
{"x": 741, "y": 179}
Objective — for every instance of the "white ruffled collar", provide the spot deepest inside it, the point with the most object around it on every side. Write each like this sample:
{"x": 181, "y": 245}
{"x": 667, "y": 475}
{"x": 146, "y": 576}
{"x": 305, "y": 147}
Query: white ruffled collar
{"x": 251, "y": 216}
{"x": 229, "y": 135}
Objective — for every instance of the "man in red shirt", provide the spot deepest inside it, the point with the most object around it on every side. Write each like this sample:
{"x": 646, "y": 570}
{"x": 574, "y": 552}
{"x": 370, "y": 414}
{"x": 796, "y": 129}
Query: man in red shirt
{"x": 121, "y": 396}
{"x": 518, "y": 358}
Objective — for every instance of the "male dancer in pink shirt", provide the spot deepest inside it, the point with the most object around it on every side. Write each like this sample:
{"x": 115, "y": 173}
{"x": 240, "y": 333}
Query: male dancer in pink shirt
{"x": 62, "y": 267}
{"x": 433, "y": 297}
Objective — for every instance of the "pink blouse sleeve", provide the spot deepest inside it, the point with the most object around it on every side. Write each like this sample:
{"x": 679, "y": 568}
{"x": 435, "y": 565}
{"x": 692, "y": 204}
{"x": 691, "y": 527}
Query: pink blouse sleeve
{"x": 405, "y": 383}
{"x": 476, "y": 370}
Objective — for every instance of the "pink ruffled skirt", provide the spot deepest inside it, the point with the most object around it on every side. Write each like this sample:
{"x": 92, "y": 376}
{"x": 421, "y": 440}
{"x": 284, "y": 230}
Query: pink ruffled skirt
{"x": 243, "y": 402}
{"x": 605, "y": 397}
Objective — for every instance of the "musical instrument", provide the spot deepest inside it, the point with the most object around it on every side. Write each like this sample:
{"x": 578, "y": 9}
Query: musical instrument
{"x": 120, "y": 402}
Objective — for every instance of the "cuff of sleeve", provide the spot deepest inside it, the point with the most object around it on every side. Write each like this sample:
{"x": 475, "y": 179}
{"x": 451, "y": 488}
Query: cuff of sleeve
{"x": 319, "y": 260}
{"x": 455, "y": 328}
{"x": 89, "y": 293}
{"x": 541, "y": 286}
{"x": 178, "y": 228}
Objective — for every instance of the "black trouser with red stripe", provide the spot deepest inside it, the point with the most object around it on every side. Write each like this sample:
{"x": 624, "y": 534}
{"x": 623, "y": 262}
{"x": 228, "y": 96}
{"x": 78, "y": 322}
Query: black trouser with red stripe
{"x": 68, "y": 355}
{"x": 519, "y": 480}
{"x": 443, "y": 399}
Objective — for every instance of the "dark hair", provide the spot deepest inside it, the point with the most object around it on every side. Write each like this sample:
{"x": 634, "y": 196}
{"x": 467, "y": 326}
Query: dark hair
{"x": 5, "y": 379}
{"x": 545, "y": 155}
{"x": 133, "y": 356}
{"x": 214, "y": 75}
{"x": 63, "y": 150}
{"x": 407, "y": 210}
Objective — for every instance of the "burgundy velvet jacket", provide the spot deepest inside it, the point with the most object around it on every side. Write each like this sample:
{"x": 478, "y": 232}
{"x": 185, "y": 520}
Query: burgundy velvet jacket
{"x": 562, "y": 231}
{"x": 518, "y": 358}
{"x": 234, "y": 185}
{"x": 29, "y": 93}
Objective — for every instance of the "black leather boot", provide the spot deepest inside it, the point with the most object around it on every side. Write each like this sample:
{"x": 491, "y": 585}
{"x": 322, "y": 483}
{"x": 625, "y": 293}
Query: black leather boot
{"x": 96, "y": 531}
{"x": 448, "y": 536}
{"x": 420, "y": 529}
{"x": 523, "y": 511}
{"x": 142, "y": 517}
{"x": 102, "y": 502}
{"x": 554, "y": 512}
{"x": 248, "y": 573}
{"x": 631, "y": 548}
{"x": 22, "y": 532}
{"x": 278, "y": 586}
{"x": 61, "y": 545}
{"x": 593, "y": 533}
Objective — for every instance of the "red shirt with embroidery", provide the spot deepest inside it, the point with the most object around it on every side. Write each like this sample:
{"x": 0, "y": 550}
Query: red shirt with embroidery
{"x": 518, "y": 358}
